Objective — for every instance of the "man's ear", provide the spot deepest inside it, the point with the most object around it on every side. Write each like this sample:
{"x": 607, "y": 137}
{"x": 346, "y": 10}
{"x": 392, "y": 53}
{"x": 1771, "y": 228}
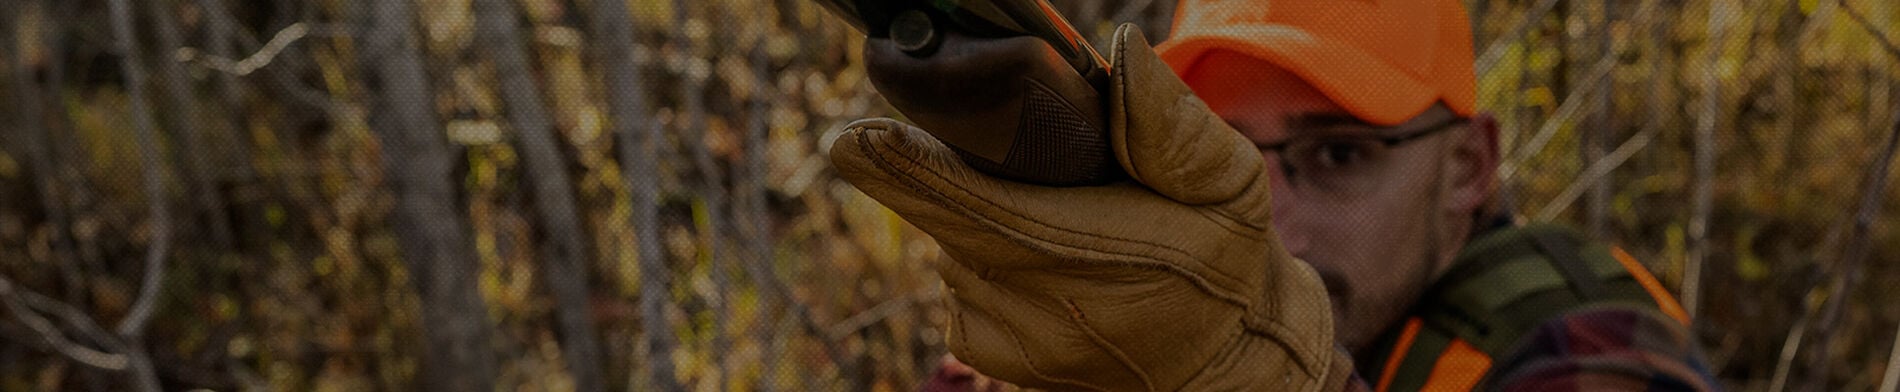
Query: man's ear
{"x": 1471, "y": 173}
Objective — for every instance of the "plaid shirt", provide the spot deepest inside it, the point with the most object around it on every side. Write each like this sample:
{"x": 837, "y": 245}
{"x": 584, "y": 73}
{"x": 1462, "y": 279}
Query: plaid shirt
{"x": 1616, "y": 349}
{"x": 1613, "y": 349}
{"x": 1605, "y": 349}
{"x": 1600, "y": 349}
{"x": 1594, "y": 348}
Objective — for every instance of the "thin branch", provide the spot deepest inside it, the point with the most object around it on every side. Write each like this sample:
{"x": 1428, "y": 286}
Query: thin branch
{"x": 1571, "y": 107}
{"x": 1859, "y": 244}
{"x": 1789, "y": 348}
{"x": 1859, "y": 247}
{"x": 1869, "y": 209}
{"x": 875, "y": 314}
{"x": 1885, "y": 43}
{"x": 71, "y": 316}
{"x": 22, "y": 303}
{"x": 1817, "y": 19}
{"x": 1595, "y": 175}
{"x": 263, "y": 57}
{"x": 1495, "y": 51}
{"x": 1595, "y": 141}
{"x": 15, "y": 300}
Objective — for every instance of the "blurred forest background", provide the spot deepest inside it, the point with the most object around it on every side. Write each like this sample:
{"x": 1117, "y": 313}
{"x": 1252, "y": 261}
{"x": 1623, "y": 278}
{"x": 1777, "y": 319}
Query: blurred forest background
{"x": 341, "y": 195}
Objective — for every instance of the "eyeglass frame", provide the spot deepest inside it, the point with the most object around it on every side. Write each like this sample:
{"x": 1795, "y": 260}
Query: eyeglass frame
{"x": 1279, "y": 149}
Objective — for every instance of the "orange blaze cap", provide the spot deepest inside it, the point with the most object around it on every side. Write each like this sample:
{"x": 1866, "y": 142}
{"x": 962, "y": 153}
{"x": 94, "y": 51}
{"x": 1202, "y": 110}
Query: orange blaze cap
{"x": 1385, "y": 61}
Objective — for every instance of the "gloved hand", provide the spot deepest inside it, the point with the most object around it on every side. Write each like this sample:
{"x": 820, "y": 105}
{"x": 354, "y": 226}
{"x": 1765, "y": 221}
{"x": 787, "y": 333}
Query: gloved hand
{"x": 1173, "y": 281}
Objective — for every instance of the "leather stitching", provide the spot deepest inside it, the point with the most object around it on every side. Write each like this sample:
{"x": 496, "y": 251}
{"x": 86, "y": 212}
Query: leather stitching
{"x": 1020, "y": 349}
{"x": 1022, "y": 352}
{"x": 1233, "y": 343}
{"x": 1113, "y": 350}
{"x": 942, "y": 200}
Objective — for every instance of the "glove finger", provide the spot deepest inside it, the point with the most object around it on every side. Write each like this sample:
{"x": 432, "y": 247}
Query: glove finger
{"x": 1169, "y": 140}
{"x": 992, "y": 224}
{"x": 914, "y": 175}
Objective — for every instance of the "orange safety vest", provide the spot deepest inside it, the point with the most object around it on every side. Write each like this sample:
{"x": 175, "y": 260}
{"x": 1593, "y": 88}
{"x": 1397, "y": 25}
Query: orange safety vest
{"x": 1505, "y": 283}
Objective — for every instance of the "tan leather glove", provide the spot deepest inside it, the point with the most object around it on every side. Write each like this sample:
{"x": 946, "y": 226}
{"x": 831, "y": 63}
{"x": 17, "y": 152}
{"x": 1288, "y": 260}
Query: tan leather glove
{"x": 1174, "y": 281}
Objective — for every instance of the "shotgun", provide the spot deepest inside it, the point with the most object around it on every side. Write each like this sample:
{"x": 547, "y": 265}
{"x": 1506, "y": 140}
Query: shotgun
{"x": 1009, "y": 85}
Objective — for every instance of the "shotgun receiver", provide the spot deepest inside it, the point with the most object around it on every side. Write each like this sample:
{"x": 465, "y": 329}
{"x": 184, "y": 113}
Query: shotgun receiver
{"x": 1009, "y": 85}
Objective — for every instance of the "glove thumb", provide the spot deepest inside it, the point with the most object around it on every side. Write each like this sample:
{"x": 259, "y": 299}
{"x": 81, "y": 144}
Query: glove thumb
{"x": 1168, "y": 139}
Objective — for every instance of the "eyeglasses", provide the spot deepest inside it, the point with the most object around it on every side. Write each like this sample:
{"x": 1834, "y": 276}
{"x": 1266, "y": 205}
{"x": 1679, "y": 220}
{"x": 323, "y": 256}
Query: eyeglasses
{"x": 1343, "y": 165}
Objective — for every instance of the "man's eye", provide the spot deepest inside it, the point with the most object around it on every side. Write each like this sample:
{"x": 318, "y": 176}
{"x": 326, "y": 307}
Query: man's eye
{"x": 1337, "y": 155}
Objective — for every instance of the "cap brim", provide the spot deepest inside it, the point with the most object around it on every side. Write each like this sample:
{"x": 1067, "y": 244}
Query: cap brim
{"x": 1364, "y": 85}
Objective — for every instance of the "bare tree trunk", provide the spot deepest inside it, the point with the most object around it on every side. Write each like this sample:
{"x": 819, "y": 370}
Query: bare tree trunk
{"x": 65, "y": 160}
{"x": 1793, "y": 140}
{"x": 1599, "y": 136}
{"x": 753, "y": 216}
{"x": 1703, "y": 196}
{"x": 30, "y": 124}
{"x": 638, "y": 139}
{"x": 186, "y": 121}
{"x": 219, "y": 35}
{"x": 753, "y": 219}
{"x": 565, "y": 248}
{"x": 220, "y": 32}
{"x": 1662, "y": 70}
{"x": 132, "y": 328}
{"x": 709, "y": 190}
{"x": 1509, "y": 143}
{"x": 428, "y": 219}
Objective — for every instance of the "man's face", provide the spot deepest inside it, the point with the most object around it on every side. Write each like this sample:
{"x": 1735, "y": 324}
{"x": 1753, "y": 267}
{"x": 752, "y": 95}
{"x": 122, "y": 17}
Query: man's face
{"x": 1379, "y": 211}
